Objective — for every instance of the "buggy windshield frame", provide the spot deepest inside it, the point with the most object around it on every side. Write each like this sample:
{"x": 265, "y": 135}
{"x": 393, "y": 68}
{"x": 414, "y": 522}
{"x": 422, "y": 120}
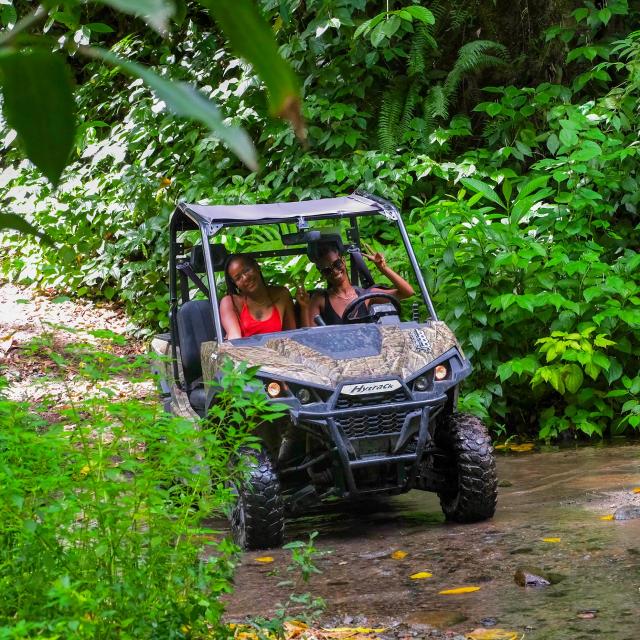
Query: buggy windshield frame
{"x": 210, "y": 219}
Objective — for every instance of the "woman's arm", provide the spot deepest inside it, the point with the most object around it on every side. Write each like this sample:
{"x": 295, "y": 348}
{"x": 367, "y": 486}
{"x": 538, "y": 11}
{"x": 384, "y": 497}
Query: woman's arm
{"x": 229, "y": 318}
{"x": 309, "y": 308}
{"x": 289, "y": 314}
{"x": 402, "y": 289}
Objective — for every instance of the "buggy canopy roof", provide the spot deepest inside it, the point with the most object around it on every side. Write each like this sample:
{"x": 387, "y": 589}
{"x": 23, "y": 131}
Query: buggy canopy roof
{"x": 252, "y": 213}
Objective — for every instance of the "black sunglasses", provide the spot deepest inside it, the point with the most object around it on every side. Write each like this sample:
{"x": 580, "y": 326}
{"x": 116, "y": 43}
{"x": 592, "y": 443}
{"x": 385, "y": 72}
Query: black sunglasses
{"x": 336, "y": 265}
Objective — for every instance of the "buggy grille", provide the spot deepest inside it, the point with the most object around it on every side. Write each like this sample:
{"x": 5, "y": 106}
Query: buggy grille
{"x": 366, "y": 425}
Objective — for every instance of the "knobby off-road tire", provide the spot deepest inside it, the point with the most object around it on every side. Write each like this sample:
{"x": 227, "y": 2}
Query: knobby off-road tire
{"x": 472, "y": 485}
{"x": 257, "y": 518}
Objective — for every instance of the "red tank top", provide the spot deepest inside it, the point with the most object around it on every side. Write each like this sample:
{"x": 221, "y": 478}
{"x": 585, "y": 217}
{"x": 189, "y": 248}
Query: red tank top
{"x": 249, "y": 326}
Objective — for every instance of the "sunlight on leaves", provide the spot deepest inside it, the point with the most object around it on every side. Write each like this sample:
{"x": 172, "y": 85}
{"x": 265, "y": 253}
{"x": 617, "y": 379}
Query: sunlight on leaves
{"x": 252, "y": 38}
{"x": 184, "y": 100}
{"x": 155, "y": 13}
{"x": 458, "y": 590}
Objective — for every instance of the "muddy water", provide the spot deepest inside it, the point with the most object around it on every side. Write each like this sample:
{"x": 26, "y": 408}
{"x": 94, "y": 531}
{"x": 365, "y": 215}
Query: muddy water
{"x": 594, "y": 567}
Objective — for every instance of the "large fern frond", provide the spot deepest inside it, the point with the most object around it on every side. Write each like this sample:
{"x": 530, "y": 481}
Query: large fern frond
{"x": 472, "y": 58}
{"x": 421, "y": 44}
{"x": 390, "y": 113}
{"x": 436, "y": 104}
{"x": 410, "y": 102}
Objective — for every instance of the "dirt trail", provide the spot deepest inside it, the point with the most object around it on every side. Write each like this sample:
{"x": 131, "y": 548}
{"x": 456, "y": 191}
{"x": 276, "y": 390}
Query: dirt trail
{"x": 27, "y": 315}
{"x": 550, "y": 517}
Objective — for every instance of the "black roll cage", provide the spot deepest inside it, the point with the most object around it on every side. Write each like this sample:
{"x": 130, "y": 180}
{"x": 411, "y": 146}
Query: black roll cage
{"x": 184, "y": 218}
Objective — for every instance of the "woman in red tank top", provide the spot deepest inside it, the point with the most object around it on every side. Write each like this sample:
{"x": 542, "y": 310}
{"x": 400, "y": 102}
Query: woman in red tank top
{"x": 252, "y": 306}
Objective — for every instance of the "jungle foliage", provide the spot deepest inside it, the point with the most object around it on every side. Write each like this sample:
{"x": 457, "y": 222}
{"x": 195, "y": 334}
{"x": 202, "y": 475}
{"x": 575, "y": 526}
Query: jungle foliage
{"x": 508, "y": 138}
{"x": 103, "y": 533}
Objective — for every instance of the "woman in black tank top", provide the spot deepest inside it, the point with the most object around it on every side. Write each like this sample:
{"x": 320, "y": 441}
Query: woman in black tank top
{"x": 331, "y": 303}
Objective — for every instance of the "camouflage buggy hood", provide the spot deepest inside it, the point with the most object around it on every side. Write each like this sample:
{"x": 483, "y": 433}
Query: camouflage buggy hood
{"x": 327, "y": 356}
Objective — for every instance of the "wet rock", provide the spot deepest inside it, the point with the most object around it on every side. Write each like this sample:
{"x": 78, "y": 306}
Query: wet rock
{"x": 627, "y": 513}
{"x": 375, "y": 555}
{"x": 531, "y": 577}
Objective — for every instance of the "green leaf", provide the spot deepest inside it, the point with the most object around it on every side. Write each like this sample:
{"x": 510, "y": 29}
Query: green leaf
{"x": 532, "y": 185}
{"x": 573, "y": 378}
{"x": 421, "y": 13}
{"x": 252, "y": 38}
{"x": 614, "y": 372}
{"x": 185, "y": 100}
{"x": 18, "y": 223}
{"x": 365, "y": 26}
{"x": 377, "y": 35}
{"x": 482, "y": 187}
{"x": 156, "y": 13}
{"x": 99, "y": 27}
{"x": 39, "y": 105}
{"x": 476, "y": 337}
{"x": 553, "y": 143}
{"x": 568, "y": 137}
{"x": 504, "y": 371}
{"x": 390, "y": 26}
{"x": 587, "y": 151}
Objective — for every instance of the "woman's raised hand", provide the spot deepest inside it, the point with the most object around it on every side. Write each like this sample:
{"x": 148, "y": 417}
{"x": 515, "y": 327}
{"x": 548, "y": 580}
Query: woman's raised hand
{"x": 375, "y": 256}
{"x": 302, "y": 297}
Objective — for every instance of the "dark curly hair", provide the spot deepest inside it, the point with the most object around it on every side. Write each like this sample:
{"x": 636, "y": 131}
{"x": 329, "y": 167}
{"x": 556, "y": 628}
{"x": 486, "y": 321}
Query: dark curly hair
{"x": 232, "y": 288}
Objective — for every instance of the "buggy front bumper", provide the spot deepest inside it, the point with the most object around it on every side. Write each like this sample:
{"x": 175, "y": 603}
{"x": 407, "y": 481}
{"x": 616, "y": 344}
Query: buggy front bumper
{"x": 394, "y": 437}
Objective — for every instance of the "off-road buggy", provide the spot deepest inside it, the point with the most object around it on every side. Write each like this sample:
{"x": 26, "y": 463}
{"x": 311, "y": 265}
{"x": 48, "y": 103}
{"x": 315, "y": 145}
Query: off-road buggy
{"x": 371, "y": 403}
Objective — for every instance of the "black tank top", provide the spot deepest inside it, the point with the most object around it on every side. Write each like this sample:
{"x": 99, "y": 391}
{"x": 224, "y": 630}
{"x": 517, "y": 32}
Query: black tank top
{"x": 329, "y": 315}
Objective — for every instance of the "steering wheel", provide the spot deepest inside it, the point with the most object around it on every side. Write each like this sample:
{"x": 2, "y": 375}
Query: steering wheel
{"x": 361, "y": 299}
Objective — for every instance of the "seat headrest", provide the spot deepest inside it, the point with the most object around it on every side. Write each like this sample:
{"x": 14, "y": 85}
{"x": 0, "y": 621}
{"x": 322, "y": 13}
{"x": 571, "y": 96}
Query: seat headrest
{"x": 219, "y": 256}
{"x": 317, "y": 241}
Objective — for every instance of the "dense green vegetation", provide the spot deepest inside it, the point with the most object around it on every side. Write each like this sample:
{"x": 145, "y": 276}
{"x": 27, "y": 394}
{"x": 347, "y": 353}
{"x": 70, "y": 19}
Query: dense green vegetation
{"x": 508, "y": 138}
{"x": 102, "y": 532}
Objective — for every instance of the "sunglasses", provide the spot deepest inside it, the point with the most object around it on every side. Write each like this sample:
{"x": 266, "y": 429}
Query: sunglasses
{"x": 336, "y": 265}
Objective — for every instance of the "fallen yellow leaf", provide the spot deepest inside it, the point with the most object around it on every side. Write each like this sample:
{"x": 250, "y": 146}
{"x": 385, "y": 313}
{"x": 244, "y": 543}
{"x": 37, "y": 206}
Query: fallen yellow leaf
{"x": 349, "y": 633}
{"x": 265, "y": 559}
{"x": 636, "y": 490}
{"x": 454, "y": 592}
{"x": 492, "y": 634}
{"x": 607, "y": 517}
{"x": 399, "y": 555}
{"x": 421, "y": 575}
{"x": 527, "y": 446}
{"x": 551, "y": 539}
{"x": 294, "y": 629}
{"x": 520, "y": 448}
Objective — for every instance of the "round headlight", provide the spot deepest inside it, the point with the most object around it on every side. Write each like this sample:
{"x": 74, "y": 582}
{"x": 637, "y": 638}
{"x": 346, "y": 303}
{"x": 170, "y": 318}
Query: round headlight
{"x": 441, "y": 372}
{"x": 274, "y": 389}
{"x": 304, "y": 395}
{"x": 421, "y": 383}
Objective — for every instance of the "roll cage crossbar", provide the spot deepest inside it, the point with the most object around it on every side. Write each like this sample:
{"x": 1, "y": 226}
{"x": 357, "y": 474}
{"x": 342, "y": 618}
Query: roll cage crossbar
{"x": 209, "y": 220}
